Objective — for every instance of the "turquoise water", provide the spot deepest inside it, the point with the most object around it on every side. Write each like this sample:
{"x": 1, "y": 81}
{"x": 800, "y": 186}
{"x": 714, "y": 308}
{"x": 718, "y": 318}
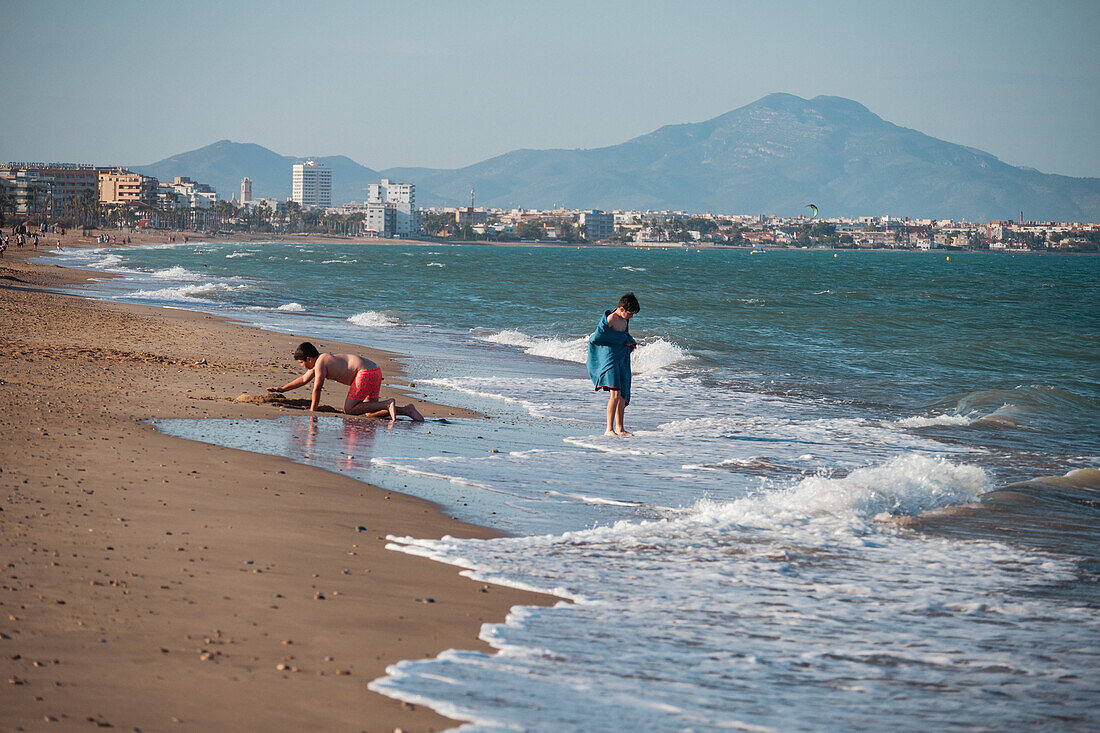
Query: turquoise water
{"x": 862, "y": 490}
{"x": 913, "y": 331}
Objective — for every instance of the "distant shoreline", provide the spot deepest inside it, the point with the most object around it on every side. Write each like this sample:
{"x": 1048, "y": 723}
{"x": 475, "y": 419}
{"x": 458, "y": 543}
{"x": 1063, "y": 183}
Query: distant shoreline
{"x": 73, "y": 238}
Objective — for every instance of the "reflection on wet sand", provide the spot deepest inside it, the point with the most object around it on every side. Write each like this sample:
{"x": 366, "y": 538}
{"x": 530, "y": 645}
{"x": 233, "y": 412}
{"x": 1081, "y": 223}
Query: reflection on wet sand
{"x": 354, "y": 447}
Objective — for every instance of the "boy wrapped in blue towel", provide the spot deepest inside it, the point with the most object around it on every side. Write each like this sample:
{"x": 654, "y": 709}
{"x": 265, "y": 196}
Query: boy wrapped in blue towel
{"x": 609, "y": 360}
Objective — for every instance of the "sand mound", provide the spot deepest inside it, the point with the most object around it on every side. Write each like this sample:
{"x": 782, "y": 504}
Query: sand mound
{"x": 281, "y": 401}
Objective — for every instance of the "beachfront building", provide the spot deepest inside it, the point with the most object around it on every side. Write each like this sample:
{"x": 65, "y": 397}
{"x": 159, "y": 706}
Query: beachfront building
{"x": 381, "y": 220}
{"x": 311, "y": 184}
{"x": 193, "y": 195}
{"x": 468, "y": 216}
{"x": 120, "y": 186}
{"x": 67, "y": 182}
{"x": 246, "y": 190}
{"x": 401, "y": 198}
{"x": 271, "y": 203}
{"x": 26, "y": 192}
{"x": 598, "y": 225}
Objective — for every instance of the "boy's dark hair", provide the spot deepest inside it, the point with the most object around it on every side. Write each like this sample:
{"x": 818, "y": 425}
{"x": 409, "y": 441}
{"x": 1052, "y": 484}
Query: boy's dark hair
{"x": 306, "y": 350}
{"x": 629, "y": 303}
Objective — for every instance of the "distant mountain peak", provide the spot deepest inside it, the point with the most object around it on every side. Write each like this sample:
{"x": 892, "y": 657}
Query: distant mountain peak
{"x": 770, "y": 156}
{"x": 829, "y": 107}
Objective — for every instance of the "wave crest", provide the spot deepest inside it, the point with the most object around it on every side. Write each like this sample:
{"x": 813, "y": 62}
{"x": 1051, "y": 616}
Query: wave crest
{"x": 652, "y": 355}
{"x": 186, "y": 292}
{"x": 373, "y": 319}
{"x": 176, "y": 273}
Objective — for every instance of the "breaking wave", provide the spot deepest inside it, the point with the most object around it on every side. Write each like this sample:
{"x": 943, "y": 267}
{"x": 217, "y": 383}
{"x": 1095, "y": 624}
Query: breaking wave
{"x": 186, "y": 292}
{"x": 651, "y": 355}
{"x": 373, "y": 319}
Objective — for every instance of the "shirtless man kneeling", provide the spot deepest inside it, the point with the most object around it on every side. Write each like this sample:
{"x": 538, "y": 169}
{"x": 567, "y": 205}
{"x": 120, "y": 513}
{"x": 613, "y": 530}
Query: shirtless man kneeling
{"x": 362, "y": 375}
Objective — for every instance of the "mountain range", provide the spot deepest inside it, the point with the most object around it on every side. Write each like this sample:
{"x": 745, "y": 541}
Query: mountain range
{"x": 774, "y": 155}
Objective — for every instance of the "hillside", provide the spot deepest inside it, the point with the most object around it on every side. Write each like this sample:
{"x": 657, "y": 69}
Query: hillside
{"x": 771, "y": 156}
{"x": 224, "y": 163}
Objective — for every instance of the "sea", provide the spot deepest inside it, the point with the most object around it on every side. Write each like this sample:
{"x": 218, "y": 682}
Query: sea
{"x": 863, "y": 490}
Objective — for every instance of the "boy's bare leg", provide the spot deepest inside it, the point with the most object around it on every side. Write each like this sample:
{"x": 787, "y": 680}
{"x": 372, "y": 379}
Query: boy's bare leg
{"x": 381, "y": 407}
{"x": 620, "y": 409}
{"x": 410, "y": 411}
{"x": 612, "y": 395}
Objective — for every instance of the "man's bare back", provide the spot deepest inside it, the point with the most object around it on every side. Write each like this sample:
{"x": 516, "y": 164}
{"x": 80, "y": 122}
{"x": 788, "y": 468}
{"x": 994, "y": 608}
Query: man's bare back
{"x": 343, "y": 367}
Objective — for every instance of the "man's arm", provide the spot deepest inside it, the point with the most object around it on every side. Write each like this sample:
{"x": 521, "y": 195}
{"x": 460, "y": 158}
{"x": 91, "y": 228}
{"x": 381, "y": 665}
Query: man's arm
{"x": 320, "y": 371}
{"x": 304, "y": 379}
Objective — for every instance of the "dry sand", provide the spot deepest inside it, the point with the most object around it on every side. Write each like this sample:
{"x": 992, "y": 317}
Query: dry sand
{"x": 152, "y": 583}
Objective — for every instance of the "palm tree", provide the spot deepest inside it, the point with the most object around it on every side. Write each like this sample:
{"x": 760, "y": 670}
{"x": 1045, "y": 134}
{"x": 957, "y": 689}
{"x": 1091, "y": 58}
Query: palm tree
{"x": 7, "y": 204}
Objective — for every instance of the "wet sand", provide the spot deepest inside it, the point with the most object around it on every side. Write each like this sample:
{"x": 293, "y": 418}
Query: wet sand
{"x": 152, "y": 583}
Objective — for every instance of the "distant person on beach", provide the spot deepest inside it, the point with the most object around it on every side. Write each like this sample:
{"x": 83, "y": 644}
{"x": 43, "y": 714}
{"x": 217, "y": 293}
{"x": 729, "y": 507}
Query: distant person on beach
{"x": 609, "y": 360}
{"x": 363, "y": 376}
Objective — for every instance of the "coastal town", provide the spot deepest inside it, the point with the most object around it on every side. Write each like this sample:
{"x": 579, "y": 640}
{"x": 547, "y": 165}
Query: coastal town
{"x": 37, "y": 196}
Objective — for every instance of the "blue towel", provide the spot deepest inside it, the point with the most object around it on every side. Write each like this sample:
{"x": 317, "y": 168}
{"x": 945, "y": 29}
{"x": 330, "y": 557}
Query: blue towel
{"x": 609, "y": 358}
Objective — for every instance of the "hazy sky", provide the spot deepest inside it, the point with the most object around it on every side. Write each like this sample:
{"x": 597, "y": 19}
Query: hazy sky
{"x": 447, "y": 84}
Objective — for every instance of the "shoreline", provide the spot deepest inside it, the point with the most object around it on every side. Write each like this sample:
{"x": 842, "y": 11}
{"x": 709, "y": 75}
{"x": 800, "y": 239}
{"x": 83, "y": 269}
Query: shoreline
{"x": 72, "y": 238}
{"x": 160, "y": 583}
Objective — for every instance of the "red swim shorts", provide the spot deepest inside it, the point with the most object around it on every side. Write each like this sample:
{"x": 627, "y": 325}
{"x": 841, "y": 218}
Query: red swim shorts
{"x": 366, "y": 385}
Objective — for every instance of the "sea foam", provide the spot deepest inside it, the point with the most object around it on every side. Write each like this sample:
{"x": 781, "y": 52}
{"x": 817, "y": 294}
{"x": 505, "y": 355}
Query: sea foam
{"x": 176, "y": 273}
{"x": 186, "y": 292}
{"x": 373, "y": 319}
{"x": 652, "y": 355}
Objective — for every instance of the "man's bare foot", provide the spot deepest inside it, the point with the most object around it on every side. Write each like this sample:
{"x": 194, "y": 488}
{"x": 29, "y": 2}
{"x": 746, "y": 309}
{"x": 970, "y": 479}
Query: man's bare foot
{"x": 623, "y": 432}
{"x": 392, "y": 409}
{"x": 609, "y": 431}
{"x": 414, "y": 413}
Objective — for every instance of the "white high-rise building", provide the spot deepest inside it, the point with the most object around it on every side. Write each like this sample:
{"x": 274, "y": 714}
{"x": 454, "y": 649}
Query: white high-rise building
{"x": 401, "y": 197}
{"x": 311, "y": 184}
{"x": 246, "y": 190}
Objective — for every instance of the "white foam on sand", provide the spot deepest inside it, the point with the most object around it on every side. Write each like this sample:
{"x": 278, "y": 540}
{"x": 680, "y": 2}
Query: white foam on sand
{"x": 801, "y": 580}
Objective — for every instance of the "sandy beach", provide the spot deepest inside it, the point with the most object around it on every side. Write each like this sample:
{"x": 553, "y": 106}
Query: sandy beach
{"x": 153, "y": 583}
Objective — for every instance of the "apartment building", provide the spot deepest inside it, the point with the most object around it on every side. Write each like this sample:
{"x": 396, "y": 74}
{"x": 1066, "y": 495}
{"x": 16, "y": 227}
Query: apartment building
{"x": 597, "y": 225}
{"x": 401, "y": 198}
{"x": 120, "y": 186}
{"x": 62, "y": 182}
{"x": 471, "y": 217}
{"x": 27, "y": 191}
{"x": 193, "y": 195}
{"x": 311, "y": 184}
{"x": 380, "y": 220}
